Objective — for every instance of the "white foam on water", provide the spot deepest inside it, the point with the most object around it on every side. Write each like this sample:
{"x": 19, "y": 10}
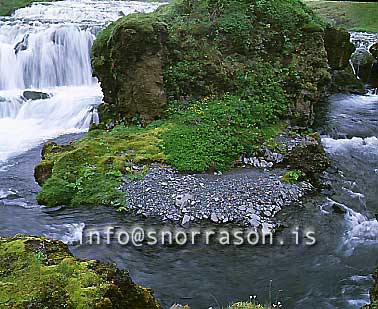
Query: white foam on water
{"x": 360, "y": 231}
{"x": 72, "y": 233}
{"x": 70, "y": 110}
{"x": 336, "y": 146}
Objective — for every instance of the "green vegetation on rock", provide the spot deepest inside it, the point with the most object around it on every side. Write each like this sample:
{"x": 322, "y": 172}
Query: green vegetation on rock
{"x": 90, "y": 171}
{"x": 356, "y": 16}
{"x": 40, "y": 273}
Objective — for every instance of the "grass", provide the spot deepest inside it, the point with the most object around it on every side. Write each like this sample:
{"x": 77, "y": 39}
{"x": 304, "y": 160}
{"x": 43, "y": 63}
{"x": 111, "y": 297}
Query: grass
{"x": 355, "y": 16}
{"x": 7, "y": 7}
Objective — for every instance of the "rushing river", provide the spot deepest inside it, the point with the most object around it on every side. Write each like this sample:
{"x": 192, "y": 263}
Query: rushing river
{"x": 335, "y": 273}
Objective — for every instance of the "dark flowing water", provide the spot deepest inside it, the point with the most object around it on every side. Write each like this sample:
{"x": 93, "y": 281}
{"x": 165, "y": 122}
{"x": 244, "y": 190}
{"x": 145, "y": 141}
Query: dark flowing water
{"x": 335, "y": 273}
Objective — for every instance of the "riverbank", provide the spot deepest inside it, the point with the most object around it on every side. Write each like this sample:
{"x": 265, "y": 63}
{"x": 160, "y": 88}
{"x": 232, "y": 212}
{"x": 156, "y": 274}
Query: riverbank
{"x": 354, "y": 16}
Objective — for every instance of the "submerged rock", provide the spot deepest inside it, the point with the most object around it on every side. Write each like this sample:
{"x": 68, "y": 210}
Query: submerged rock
{"x": 35, "y": 95}
{"x": 37, "y": 272}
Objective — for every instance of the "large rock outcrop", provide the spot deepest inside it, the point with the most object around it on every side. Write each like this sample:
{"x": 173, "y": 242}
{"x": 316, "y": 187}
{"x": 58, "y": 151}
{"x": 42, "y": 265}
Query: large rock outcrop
{"x": 339, "y": 48}
{"x": 37, "y": 272}
{"x": 141, "y": 57}
{"x": 129, "y": 65}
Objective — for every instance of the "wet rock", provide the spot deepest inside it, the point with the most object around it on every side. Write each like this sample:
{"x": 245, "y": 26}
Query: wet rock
{"x": 308, "y": 156}
{"x": 37, "y": 272}
{"x": 338, "y": 46}
{"x": 35, "y": 95}
{"x": 43, "y": 170}
{"x": 23, "y": 45}
{"x": 374, "y": 50}
{"x": 338, "y": 209}
{"x": 363, "y": 62}
{"x": 343, "y": 81}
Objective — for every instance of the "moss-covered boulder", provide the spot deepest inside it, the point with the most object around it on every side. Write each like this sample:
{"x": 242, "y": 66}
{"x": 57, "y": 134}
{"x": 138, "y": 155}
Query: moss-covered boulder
{"x": 43, "y": 170}
{"x": 193, "y": 49}
{"x": 339, "y": 48}
{"x": 37, "y": 272}
{"x": 128, "y": 60}
{"x": 363, "y": 61}
{"x": 307, "y": 156}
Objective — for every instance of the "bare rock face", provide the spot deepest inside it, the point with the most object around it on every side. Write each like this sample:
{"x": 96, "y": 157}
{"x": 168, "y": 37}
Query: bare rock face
{"x": 130, "y": 68}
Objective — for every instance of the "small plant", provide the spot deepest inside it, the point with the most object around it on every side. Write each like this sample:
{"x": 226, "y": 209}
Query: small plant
{"x": 40, "y": 257}
{"x": 292, "y": 177}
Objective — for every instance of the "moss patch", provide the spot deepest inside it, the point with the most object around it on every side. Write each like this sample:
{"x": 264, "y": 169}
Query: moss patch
{"x": 356, "y": 16}
{"x": 92, "y": 170}
{"x": 40, "y": 273}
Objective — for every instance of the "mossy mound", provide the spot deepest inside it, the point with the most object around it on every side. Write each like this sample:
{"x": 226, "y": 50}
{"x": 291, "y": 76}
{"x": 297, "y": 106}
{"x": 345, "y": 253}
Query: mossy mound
{"x": 90, "y": 171}
{"x": 37, "y": 272}
{"x": 194, "y": 49}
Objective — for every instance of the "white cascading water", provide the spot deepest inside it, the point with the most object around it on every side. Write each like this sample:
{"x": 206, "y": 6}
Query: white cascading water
{"x": 361, "y": 229}
{"x": 46, "y": 47}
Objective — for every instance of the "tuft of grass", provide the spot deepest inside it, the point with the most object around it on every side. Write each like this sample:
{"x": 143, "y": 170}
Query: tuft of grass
{"x": 355, "y": 16}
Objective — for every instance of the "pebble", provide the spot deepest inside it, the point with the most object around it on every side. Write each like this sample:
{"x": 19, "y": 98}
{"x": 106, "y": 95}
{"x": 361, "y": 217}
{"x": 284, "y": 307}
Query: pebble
{"x": 246, "y": 197}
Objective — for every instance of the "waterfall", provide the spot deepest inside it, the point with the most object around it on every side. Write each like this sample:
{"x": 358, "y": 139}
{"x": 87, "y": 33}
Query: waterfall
{"x": 46, "y": 48}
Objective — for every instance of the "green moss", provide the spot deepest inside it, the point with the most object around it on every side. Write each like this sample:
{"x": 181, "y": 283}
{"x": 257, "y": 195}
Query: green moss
{"x": 292, "y": 177}
{"x": 91, "y": 172}
{"x": 41, "y": 273}
{"x": 356, "y": 16}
